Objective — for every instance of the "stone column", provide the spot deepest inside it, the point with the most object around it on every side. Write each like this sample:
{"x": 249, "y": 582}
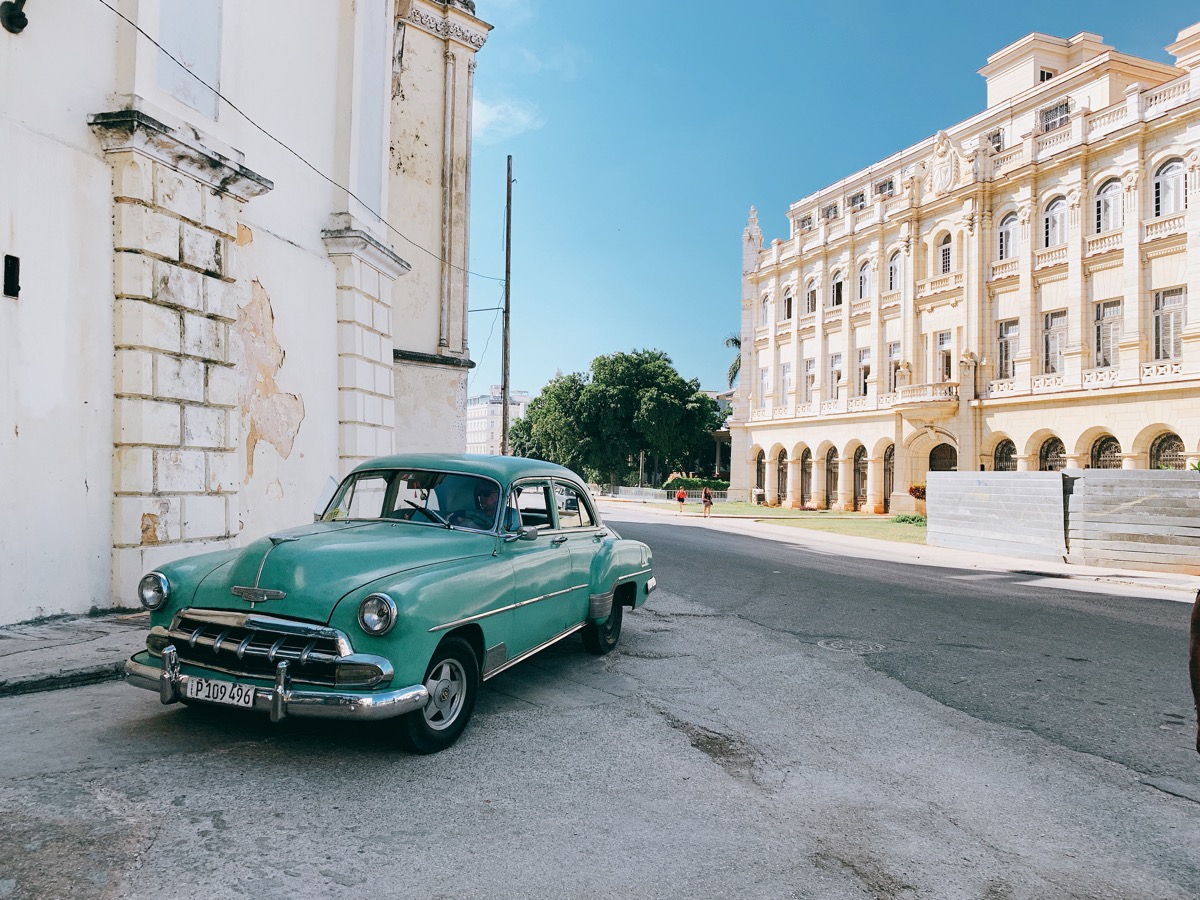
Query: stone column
{"x": 176, "y": 427}
{"x": 365, "y": 269}
{"x": 793, "y": 484}
{"x": 845, "y": 497}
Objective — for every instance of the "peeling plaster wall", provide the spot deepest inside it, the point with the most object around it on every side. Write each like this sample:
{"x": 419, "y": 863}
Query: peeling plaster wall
{"x": 287, "y": 383}
{"x": 431, "y": 408}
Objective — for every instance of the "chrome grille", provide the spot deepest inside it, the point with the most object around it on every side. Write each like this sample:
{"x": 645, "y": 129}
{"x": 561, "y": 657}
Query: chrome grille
{"x": 252, "y": 646}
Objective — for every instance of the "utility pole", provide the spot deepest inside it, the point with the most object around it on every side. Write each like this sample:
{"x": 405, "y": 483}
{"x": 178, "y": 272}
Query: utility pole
{"x": 507, "y": 296}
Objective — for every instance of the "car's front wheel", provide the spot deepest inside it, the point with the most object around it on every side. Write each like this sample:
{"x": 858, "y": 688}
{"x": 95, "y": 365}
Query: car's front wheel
{"x": 452, "y": 680}
{"x": 601, "y": 637}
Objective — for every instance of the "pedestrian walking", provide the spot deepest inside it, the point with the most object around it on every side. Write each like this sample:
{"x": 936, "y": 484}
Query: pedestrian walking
{"x": 680, "y": 496}
{"x": 706, "y": 499}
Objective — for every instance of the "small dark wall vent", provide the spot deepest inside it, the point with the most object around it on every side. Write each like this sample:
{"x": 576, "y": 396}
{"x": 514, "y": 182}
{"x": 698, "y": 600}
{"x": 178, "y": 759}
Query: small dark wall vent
{"x": 12, "y": 276}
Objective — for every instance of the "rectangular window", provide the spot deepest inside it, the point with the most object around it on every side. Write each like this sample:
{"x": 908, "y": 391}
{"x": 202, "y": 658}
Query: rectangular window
{"x": 810, "y": 304}
{"x": 785, "y": 380}
{"x": 831, "y": 211}
{"x": 1107, "y": 334}
{"x": 885, "y": 188}
{"x": 1169, "y": 307}
{"x": 806, "y": 223}
{"x": 1006, "y": 348}
{"x": 864, "y": 372}
{"x": 810, "y": 378}
{"x": 1054, "y": 342}
{"x": 835, "y": 376}
{"x": 1045, "y": 75}
{"x": 190, "y": 30}
{"x": 946, "y": 258}
{"x": 835, "y": 293}
{"x": 945, "y": 356}
{"x": 858, "y": 201}
{"x": 996, "y": 140}
{"x": 1056, "y": 116}
{"x": 764, "y": 382}
{"x": 893, "y": 367}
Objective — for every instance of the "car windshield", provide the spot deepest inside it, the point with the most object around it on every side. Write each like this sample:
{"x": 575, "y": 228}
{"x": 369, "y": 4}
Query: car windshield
{"x": 440, "y": 499}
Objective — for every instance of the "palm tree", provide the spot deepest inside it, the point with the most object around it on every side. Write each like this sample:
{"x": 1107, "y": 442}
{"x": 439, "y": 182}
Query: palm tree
{"x": 734, "y": 342}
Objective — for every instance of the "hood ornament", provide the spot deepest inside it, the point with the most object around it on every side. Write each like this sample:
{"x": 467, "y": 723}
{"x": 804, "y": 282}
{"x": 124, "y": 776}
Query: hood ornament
{"x": 256, "y": 594}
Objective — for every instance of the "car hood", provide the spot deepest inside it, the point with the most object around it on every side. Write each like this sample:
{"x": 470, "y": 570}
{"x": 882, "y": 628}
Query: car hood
{"x": 315, "y": 566}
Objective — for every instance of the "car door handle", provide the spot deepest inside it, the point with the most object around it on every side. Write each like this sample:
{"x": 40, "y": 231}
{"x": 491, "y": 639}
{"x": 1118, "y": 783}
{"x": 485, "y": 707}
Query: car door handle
{"x": 561, "y": 539}
{"x": 601, "y": 535}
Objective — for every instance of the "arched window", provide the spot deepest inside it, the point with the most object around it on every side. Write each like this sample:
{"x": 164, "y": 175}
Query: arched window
{"x": 943, "y": 458}
{"x": 1052, "y": 457}
{"x": 1004, "y": 458}
{"x": 1167, "y": 452}
{"x": 835, "y": 290}
{"x": 787, "y": 304}
{"x": 944, "y": 259}
{"x": 831, "y": 478}
{"x": 781, "y": 467}
{"x": 1106, "y": 453}
{"x": 765, "y": 311}
{"x": 760, "y": 470}
{"x": 1054, "y": 223}
{"x": 1109, "y": 201}
{"x": 889, "y": 476}
{"x": 1169, "y": 195}
{"x": 864, "y": 281}
{"x": 1006, "y": 237}
{"x": 894, "y": 271}
{"x": 810, "y": 298}
{"x": 860, "y": 479}
{"x": 805, "y": 477}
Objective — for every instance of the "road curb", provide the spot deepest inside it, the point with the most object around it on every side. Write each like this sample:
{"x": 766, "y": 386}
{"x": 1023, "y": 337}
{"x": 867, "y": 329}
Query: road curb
{"x": 36, "y": 684}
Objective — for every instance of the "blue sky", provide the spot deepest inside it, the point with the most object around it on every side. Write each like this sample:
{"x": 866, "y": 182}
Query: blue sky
{"x": 641, "y": 134}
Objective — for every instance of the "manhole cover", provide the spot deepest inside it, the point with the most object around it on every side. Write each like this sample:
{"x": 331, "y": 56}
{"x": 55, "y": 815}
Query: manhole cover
{"x": 841, "y": 645}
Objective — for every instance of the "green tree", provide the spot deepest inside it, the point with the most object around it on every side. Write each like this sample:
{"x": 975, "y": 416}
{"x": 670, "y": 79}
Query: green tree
{"x": 629, "y": 403}
{"x": 734, "y": 342}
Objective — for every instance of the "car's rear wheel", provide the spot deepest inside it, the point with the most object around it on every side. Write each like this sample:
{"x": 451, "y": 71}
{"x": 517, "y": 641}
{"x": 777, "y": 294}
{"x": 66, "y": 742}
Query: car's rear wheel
{"x": 452, "y": 680}
{"x": 601, "y": 637}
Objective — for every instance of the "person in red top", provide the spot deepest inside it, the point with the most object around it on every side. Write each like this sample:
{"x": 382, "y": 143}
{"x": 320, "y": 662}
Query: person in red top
{"x": 680, "y": 496}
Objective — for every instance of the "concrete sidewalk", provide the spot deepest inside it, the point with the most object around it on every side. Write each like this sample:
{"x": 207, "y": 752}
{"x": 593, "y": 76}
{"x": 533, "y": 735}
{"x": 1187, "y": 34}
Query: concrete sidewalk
{"x": 76, "y": 650}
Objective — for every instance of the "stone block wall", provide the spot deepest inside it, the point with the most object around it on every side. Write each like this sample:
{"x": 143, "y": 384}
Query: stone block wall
{"x": 175, "y": 393}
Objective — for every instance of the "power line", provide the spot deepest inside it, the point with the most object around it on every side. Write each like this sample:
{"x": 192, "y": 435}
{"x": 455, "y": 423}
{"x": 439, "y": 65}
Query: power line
{"x": 294, "y": 153}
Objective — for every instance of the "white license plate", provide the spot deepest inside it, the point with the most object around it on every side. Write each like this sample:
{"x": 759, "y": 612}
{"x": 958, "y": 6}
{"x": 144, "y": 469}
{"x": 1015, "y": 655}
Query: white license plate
{"x": 228, "y": 692}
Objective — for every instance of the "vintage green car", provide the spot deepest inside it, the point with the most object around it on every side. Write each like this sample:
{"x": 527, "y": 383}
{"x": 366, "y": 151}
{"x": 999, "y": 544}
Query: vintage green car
{"x": 425, "y": 575}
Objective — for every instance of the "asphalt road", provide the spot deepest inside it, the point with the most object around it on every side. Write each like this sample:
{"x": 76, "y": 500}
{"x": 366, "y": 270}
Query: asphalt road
{"x": 721, "y": 751}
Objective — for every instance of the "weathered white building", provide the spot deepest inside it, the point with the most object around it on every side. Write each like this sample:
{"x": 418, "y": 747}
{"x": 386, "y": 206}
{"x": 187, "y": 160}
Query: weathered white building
{"x": 1019, "y": 292}
{"x": 215, "y": 301}
{"x": 485, "y": 417}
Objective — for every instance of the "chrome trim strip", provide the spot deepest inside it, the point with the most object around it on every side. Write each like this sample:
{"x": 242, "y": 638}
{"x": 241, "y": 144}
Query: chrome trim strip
{"x": 528, "y": 653}
{"x": 632, "y": 575}
{"x": 344, "y": 705}
{"x": 510, "y": 607}
{"x": 386, "y": 671}
{"x": 260, "y": 622}
{"x": 600, "y": 605}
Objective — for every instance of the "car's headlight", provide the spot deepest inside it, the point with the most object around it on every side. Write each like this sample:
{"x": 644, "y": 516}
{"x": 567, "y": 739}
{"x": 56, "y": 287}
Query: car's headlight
{"x": 377, "y": 614}
{"x": 153, "y": 590}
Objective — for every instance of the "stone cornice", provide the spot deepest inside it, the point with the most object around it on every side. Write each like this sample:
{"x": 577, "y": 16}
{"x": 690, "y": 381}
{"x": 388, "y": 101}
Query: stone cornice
{"x": 432, "y": 359}
{"x": 353, "y": 242}
{"x": 451, "y": 24}
{"x": 132, "y": 129}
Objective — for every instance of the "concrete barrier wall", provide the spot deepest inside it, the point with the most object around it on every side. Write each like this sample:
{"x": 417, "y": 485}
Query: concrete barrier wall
{"x": 1018, "y": 514}
{"x": 1136, "y": 519}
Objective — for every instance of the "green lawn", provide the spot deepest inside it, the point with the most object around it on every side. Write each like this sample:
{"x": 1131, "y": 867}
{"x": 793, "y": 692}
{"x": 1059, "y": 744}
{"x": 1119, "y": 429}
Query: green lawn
{"x": 854, "y": 524}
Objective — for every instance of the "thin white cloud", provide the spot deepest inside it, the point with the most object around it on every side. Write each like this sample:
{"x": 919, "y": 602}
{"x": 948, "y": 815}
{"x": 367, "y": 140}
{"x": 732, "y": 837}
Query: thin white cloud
{"x": 492, "y": 123}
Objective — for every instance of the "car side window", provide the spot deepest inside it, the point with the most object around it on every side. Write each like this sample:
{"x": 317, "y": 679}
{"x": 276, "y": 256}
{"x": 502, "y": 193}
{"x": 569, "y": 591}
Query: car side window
{"x": 534, "y": 503}
{"x": 573, "y": 509}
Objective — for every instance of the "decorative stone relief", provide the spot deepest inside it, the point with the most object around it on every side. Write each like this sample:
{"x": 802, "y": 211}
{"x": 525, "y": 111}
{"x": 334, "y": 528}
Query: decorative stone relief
{"x": 448, "y": 30}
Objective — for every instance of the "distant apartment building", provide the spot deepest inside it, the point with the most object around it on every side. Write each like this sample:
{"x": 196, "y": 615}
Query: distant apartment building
{"x": 484, "y": 418}
{"x": 1019, "y": 292}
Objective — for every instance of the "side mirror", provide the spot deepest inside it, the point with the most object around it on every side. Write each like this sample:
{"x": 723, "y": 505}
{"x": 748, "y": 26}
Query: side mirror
{"x": 526, "y": 533}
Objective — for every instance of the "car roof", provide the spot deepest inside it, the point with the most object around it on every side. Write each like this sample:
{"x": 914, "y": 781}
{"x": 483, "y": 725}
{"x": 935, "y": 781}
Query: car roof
{"x": 504, "y": 469}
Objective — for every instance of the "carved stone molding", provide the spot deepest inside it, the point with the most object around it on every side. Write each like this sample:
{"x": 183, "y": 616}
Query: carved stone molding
{"x": 132, "y": 129}
{"x": 444, "y": 28}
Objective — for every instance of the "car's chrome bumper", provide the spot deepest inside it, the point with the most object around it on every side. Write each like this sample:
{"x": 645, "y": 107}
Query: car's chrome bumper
{"x": 282, "y": 699}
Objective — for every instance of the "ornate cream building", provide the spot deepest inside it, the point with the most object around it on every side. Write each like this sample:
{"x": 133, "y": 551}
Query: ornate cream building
{"x": 1019, "y": 292}
{"x": 235, "y": 252}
